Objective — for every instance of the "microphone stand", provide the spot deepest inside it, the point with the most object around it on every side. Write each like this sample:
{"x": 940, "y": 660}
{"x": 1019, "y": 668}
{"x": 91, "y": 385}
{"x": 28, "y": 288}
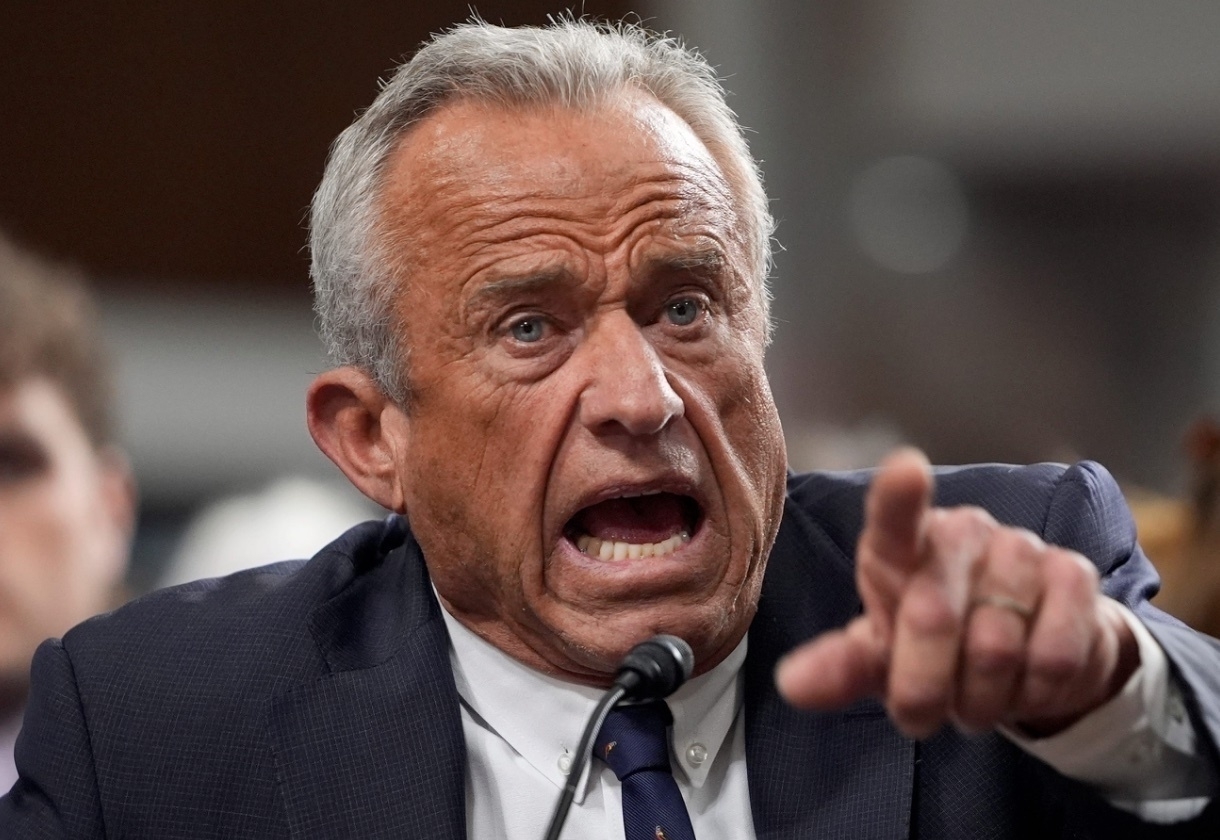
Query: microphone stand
{"x": 651, "y": 670}
{"x": 609, "y": 700}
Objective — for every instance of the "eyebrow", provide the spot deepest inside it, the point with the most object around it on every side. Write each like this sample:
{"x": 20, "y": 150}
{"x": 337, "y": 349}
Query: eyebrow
{"x": 506, "y": 288}
{"x": 704, "y": 262}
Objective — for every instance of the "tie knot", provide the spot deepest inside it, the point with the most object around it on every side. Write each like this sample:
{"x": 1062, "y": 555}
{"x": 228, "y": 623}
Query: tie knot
{"x": 633, "y": 738}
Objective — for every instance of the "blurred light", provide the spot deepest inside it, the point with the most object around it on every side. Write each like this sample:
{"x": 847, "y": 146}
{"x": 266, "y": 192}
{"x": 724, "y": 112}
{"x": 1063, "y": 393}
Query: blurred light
{"x": 909, "y": 214}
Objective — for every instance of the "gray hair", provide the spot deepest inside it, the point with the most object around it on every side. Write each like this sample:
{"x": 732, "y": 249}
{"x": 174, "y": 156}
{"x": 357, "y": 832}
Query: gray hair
{"x": 571, "y": 62}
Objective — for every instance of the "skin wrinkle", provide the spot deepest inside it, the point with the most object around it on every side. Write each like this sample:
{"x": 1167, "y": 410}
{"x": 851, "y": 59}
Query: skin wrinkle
{"x": 405, "y": 268}
{"x": 633, "y": 234}
{"x": 725, "y": 189}
{"x": 713, "y": 194}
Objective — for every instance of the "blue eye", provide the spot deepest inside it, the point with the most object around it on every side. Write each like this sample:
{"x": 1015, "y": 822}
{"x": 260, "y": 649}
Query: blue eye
{"x": 683, "y": 312}
{"x": 528, "y": 330}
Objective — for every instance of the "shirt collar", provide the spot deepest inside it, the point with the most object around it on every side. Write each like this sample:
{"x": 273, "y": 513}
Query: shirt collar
{"x": 542, "y": 717}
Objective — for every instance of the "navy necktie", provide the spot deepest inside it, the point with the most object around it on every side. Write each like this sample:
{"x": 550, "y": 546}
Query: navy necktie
{"x": 633, "y": 743}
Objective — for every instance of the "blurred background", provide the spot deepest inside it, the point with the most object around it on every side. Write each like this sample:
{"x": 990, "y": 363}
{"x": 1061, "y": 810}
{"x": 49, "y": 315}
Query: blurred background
{"x": 999, "y": 223}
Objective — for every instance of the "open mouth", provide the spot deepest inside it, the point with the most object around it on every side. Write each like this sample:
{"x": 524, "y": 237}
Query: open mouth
{"x": 634, "y": 526}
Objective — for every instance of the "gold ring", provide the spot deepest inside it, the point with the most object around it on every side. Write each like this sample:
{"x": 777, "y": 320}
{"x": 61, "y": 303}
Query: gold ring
{"x": 1003, "y": 602}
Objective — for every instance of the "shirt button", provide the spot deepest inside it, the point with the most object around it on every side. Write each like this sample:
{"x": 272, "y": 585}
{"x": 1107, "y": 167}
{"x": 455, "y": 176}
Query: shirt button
{"x": 696, "y": 754}
{"x": 1177, "y": 712}
{"x": 565, "y": 763}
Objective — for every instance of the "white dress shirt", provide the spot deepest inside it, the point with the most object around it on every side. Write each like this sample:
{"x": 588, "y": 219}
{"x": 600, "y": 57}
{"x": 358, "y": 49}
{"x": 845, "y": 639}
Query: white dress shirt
{"x": 8, "y": 739}
{"x": 522, "y": 727}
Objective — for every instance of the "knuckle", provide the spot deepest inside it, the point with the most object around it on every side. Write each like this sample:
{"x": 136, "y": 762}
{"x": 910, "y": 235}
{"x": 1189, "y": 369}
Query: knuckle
{"x": 1055, "y": 666}
{"x": 920, "y": 704}
{"x": 971, "y": 521}
{"x": 1018, "y": 545}
{"x": 1090, "y": 577}
{"x": 930, "y": 616}
{"x": 1070, "y": 574}
{"x": 992, "y": 653}
{"x": 957, "y": 525}
{"x": 978, "y": 517}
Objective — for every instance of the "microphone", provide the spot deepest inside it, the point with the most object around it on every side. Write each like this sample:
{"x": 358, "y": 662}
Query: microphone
{"x": 655, "y": 668}
{"x": 652, "y": 670}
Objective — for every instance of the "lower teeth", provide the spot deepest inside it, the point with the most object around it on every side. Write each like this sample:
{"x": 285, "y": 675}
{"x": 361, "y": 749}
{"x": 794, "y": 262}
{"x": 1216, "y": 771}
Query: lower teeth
{"x": 617, "y": 550}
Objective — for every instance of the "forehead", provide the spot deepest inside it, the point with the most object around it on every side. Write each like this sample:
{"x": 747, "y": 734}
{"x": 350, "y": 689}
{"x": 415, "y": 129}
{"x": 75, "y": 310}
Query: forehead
{"x": 470, "y": 167}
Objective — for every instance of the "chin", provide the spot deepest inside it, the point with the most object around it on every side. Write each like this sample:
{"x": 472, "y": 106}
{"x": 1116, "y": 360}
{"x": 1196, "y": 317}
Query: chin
{"x": 712, "y": 632}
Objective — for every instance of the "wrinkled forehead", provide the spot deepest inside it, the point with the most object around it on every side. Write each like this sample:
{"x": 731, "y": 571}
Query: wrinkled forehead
{"x": 500, "y": 158}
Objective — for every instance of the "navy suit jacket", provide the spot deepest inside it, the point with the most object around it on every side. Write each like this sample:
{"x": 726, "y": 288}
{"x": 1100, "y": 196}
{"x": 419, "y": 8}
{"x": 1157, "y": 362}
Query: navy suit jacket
{"x": 316, "y": 699}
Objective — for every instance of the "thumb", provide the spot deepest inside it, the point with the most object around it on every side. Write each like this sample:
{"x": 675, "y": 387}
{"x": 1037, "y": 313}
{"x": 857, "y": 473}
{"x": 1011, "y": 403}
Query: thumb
{"x": 835, "y": 669}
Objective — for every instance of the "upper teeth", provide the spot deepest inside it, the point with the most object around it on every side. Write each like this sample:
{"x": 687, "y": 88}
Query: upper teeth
{"x": 616, "y": 550}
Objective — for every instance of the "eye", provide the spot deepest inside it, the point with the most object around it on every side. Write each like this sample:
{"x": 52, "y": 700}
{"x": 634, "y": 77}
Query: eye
{"x": 528, "y": 330}
{"x": 684, "y": 312}
{"x": 21, "y": 458}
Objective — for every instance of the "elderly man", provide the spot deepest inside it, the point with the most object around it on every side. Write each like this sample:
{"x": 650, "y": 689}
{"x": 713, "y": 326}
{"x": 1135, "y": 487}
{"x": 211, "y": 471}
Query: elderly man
{"x": 66, "y": 496}
{"x": 539, "y": 260}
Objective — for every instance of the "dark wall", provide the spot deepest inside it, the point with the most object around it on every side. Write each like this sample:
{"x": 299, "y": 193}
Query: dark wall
{"x": 183, "y": 139}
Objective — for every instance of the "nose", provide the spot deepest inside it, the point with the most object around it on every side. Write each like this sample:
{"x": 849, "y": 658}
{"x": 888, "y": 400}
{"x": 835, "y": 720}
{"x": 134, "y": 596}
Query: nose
{"x": 627, "y": 389}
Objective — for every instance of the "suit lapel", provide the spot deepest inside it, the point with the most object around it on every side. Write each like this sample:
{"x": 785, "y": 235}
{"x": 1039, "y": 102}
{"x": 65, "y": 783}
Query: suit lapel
{"x": 374, "y": 747}
{"x": 844, "y": 774}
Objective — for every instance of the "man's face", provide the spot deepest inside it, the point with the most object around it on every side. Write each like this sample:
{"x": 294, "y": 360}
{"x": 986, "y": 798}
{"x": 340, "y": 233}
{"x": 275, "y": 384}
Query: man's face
{"x": 591, "y": 453}
{"x": 65, "y": 518}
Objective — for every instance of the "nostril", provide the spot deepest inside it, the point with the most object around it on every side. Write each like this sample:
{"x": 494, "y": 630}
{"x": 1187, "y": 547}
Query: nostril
{"x": 636, "y": 413}
{"x": 638, "y": 402}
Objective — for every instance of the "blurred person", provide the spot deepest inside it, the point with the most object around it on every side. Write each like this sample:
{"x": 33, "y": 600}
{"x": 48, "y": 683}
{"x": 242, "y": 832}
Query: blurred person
{"x": 540, "y": 261}
{"x": 1182, "y": 535}
{"x": 292, "y": 516}
{"x": 67, "y": 505}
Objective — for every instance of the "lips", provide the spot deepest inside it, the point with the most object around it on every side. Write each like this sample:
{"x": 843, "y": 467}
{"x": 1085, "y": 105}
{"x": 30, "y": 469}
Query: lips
{"x": 633, "y": 525}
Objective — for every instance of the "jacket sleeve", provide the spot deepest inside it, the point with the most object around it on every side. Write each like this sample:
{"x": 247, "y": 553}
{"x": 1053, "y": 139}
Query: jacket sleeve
{"x": 1088, "y": 513}
{"x": 56, "y": 794}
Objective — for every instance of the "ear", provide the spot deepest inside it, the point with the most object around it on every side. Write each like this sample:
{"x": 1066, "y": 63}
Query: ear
{"x": 362, "y": 430}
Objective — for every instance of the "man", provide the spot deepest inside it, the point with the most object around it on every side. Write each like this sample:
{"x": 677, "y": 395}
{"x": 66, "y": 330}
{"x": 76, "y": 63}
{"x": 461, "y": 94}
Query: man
{"x": 66, "y": 495}
{"x": 539, "y": 261}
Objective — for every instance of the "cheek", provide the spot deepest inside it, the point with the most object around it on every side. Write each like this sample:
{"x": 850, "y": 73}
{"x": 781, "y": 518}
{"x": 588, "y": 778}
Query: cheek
{"x": 756, "y": 421}
{"x": 48, "y": 525}
{"x": 475, "y": 485}
{"x": 473, "y": 441}
{"x": 49, "y": 575}
{"x": 754, "y": 464}
{"x": 747, "y": 411}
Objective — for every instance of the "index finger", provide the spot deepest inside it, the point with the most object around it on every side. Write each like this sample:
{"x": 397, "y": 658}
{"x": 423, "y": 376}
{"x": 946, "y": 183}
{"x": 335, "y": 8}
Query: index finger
{"x": 900, "y": 495}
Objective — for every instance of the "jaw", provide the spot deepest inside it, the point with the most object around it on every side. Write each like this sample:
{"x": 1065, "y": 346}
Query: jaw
{"x": 586, "y": 645}
{"x": 587, "y": 612}
{"x": 688, "y": 561}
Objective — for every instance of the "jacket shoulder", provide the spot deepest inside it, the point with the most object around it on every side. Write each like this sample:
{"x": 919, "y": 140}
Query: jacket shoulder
{"x": 253, "y": 625}
{"x": 1014, "y": 495}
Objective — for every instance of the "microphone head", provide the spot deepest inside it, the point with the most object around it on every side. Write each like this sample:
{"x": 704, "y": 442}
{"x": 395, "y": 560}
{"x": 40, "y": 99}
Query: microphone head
{"x": 655, "y": 668}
